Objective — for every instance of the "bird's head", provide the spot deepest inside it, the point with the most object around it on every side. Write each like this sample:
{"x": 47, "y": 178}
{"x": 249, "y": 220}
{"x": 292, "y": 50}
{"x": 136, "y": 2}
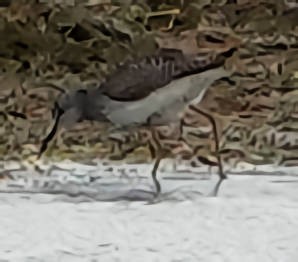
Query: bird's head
{"x": 68, "y": 109}
{"x": 70, "y": 106}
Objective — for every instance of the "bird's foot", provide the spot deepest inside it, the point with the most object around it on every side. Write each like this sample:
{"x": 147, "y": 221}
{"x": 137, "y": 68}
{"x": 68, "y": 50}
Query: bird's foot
{"x": 157, "y": 198}
{"x": 214, "y": 192}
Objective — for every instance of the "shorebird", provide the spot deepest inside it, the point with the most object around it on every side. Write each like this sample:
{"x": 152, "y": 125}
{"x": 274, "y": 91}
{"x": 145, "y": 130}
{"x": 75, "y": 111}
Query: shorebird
{"x": 149, "y": 91}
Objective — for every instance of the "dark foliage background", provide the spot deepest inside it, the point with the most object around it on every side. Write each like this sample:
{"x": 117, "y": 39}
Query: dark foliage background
{"x": 47, "y": 45}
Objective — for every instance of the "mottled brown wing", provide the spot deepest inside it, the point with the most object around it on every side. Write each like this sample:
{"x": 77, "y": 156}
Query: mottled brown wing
{"x": 133, "y": 81}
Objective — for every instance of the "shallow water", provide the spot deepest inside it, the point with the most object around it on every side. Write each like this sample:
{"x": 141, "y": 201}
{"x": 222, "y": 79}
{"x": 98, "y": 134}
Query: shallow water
{"x": 94, "y": 215}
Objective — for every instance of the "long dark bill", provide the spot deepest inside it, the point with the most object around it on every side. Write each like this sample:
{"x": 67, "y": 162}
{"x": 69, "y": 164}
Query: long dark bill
{"x": 44, "y": 145}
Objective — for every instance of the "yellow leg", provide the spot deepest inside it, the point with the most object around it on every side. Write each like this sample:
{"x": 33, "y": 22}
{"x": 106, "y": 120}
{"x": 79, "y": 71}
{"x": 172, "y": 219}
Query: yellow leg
{"x": 160, "y": 154}
{"x": 154, "y": 173}
{"x": 221, "y": 173}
